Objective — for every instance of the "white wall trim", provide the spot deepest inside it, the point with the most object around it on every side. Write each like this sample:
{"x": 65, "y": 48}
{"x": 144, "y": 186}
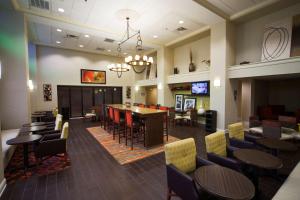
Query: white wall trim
{"x": 278, "y": 67}
{"x": 148, "y": 82}
{"x": 189, "y": 77}
{"x": 2, "y": 186}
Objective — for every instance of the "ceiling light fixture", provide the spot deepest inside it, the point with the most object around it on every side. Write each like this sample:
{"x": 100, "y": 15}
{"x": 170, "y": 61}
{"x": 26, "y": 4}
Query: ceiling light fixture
{"x": 138, "y": 63}
{"x": 58, "y": 30}
{"x": 155, "y": 36}
{"x": 81, "y": 46}
{"x": 181, "y": 22}
{"x": 108, "y": 50}
{"x": 61, "y": 10}
{"x": 87, "y": 36}
{"x": 58, "y": 42}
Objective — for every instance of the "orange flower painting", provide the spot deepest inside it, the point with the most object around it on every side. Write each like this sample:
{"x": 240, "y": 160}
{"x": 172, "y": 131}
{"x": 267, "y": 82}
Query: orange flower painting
{"x": 93, "y": 76}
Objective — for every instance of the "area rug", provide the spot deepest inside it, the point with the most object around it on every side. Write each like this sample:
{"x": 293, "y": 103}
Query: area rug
{"x": 122, "y": 153}
{"x": 14, "y": 171}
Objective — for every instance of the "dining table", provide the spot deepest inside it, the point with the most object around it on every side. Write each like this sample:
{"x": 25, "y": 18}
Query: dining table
{"x": 38, "y": 117}
{"x": 224, "y": 183}
{"x": 35, "y": 124}
{"x": 33, "y": 129}
{"x": 276, "y": 145}
{"x": 154, "y": 122}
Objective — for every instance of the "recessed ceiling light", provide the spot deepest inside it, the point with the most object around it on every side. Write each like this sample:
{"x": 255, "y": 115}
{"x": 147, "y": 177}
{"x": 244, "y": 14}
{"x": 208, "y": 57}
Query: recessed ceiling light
{"x": 86, "y": 35}
{"x": 125, "y": 53}
{"x": 108, "y": 50}
{"x": 181, "y": 22}
{"x": 58, "y": 30}
{"x": 155, "y": 36}
{"x": 58, "y": 42}
{"x": 61, "y": 10}
{"x": 81, "y": 46}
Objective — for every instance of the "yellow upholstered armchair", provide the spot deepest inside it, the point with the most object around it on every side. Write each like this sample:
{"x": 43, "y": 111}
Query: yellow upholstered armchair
{"x": 239, "y": 138}
{"x": 219, "y": 152}
{"x": 181, "y": 162}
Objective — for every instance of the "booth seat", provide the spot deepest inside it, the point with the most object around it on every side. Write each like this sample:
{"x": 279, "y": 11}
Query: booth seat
{"x": 8, "y": 150}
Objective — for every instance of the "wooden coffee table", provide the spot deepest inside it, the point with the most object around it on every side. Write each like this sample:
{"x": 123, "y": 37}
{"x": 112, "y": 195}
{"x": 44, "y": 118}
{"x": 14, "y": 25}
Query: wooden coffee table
{"x": 33, "y": 129}
{"x": 276, "y": 145}
{"x": 25, "y": 140}
{"x": 256, "y": 160}
{"x": 224, "y": 183}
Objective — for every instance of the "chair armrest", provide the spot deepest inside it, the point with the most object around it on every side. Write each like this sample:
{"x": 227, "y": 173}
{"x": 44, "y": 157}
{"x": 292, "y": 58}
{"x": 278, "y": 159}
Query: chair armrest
{"x": 230, "y": 149}
{"x": 224, "y": 161}
{"x": 251, "y": 138}
{"x": 202, "y": 162}
{"x": 241, "y": 144}
{"x": 181, "y": 183}
{"x": 51, "y": 137}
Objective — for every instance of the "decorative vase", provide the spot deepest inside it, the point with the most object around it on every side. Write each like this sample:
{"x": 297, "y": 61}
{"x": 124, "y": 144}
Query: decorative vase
{"x": 175, "y": 70}
{"x": 192, "y": 66}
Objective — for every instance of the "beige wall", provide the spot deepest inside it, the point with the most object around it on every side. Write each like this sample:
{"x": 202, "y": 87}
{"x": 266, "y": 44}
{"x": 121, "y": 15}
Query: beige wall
{"x": 62, "y": 67}
{"x": 200, "y": 51}
{"x": 14, "y": 93}
{"x": 250, "y": 34}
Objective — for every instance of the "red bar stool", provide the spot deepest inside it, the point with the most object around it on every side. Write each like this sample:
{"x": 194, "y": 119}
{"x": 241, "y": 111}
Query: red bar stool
{"x": 110, "y": 118}
{"x": 134, "y": 129}
{"x": 118, "y": 124}
{"x": 166, "y": 124}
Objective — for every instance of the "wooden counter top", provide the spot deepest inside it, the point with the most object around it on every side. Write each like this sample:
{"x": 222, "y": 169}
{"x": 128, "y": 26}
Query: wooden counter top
{"x": 138, "y": 110}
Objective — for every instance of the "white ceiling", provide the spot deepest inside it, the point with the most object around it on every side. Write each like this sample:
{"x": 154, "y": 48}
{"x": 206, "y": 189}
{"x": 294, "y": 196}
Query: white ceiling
{"x": 102, "y": 19}
{"x": 232, "y": 7}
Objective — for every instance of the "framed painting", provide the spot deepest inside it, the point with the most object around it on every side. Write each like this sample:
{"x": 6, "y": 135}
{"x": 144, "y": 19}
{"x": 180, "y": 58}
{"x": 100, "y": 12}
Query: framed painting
{"x": 189, "y": 104}
{"x": 178, "y": 101}
{"x": 89, "y": 76}
{"x": 47, "y": 91}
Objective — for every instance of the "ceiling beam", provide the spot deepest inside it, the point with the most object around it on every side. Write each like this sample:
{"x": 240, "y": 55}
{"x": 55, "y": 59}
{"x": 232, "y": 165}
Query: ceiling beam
{"x": 212, "y": 8}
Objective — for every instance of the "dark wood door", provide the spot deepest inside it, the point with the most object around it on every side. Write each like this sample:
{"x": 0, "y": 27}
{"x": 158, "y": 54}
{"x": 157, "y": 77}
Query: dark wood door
{"x": 87, "y": 99}
{"x": 76, "y": 101}
{"x": 108, "y": 95}
{"x": 63, "y": 101}
{"x": 117, "y": 95}
{"x": 99, "y": 96}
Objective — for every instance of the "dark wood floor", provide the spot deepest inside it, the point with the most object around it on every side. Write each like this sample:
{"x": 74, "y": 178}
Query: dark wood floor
{"x": 94, "y": 174}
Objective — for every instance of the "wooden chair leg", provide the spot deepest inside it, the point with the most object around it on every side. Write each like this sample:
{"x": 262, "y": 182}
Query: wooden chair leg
{"x": 169, "y": 194}
{"x": 131, "y": 133}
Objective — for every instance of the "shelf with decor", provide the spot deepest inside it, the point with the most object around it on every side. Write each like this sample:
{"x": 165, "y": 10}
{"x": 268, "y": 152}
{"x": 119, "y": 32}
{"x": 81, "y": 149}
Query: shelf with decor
{"x": 188, "y": 77}
{"x": 275, "y": 67}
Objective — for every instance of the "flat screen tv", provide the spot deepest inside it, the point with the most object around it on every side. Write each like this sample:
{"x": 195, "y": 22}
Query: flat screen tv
{"x": 200, "y": 88}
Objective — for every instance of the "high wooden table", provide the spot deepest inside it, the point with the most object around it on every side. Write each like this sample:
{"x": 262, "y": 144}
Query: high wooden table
{"x": 224, "y": 183}
{"x": 154, "y": 122}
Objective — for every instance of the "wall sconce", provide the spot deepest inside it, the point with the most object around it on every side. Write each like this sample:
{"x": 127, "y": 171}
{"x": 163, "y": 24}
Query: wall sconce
{"x": 159, "y": 86}
{"x": 217, "y": 82}
{"x": 136, "y": 88}
{"x": 30, "y": 85}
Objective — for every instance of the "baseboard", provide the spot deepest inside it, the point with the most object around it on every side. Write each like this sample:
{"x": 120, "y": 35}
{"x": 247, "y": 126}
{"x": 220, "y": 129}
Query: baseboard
{"x": 2, "y": 186}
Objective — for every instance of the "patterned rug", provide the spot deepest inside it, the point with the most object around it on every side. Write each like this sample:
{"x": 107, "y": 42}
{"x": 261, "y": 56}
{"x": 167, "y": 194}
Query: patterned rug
{"x": 122, "y": 153}
{"x": 14, "y": 171}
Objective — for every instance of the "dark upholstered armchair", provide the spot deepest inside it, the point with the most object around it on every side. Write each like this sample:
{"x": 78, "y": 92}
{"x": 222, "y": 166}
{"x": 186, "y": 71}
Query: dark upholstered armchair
{"x": 53, "y": 144}
{"x": 181, "y": 163}
{"x": 218, "y": 151}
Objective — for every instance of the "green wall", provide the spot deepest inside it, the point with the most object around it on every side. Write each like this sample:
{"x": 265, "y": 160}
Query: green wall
{"x": 205, "y": 99}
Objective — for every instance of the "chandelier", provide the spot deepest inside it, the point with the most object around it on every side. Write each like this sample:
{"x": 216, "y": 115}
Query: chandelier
{"x": 138, "y": 62}
{"x": 119, "y": 67}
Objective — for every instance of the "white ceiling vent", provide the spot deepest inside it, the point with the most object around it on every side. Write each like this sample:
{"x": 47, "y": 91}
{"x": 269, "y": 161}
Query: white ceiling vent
{"x": 71, "y": 36}
{"x": 41, "y": 4}
{"x": 100, "y": 49}
{"x": 109, "y": 40}
{"x": 181, "y": 29}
